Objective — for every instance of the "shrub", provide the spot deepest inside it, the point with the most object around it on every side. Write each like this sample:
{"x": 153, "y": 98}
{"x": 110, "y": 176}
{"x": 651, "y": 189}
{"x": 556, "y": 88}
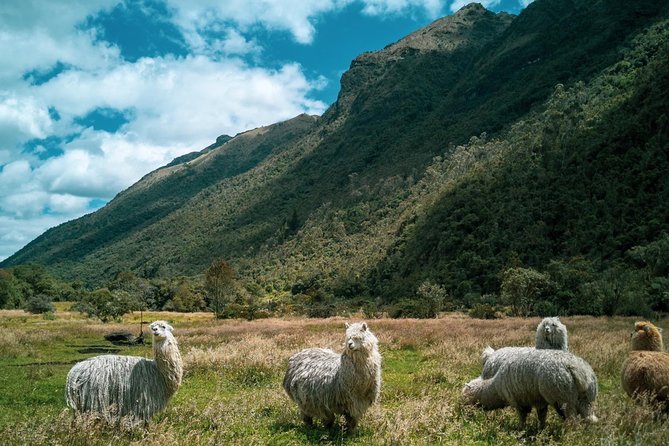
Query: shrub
{"x": 483, "y": 311}
{"x": 411, "y": 308}
{"x": 39, "y": 304}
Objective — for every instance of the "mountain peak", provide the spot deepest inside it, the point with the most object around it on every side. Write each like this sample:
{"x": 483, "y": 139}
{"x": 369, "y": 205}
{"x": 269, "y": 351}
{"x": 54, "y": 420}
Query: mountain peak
{"x": 470, "y": 27}
{"x": 471, "y": 7}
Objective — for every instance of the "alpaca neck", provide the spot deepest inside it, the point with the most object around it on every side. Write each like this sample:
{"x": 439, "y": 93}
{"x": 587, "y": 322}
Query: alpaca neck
{"x": 648, "y": 344}
{"x": 486, "y": 395}
{"x": 362, "y": 363}
{"x": 169, "y": 363}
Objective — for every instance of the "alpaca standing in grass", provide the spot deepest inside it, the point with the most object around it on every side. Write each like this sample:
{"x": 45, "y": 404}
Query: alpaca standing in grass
{"x": 537, "y": 378}
{"x": 325, "y": 384}
{"x": 551, "y": 335}
{"x": 646, "y": 370}
{"x": 115, "y": 386}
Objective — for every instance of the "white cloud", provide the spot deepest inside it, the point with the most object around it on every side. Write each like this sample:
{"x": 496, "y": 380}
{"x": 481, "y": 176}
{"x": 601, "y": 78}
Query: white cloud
{"x": 14, "y": 174}
{"x": 67, "y": 204}
{"x": 294, "y": 16}
{"x": 432, "y": 8}
{"x": 235, "y": 43}
{"x": 297, "y": 17}
{"x": 35, "y": 34}
{"x": 21, "y": 119}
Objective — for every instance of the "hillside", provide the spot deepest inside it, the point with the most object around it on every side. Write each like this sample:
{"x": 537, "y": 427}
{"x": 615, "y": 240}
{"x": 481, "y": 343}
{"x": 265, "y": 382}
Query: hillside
{"x": 481, "y": 141}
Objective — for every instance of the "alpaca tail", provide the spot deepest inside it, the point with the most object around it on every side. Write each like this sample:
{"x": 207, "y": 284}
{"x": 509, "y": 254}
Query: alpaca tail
{"x": 486, "y": 354}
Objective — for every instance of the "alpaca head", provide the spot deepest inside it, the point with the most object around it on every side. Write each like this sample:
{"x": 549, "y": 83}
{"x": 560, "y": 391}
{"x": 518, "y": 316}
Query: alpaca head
{"x": 647, "y": 336}
{"x": 161, "y": 329}
{"x": 471, "y": 390}
{"x": 359, "y": 338}
{"x": 553, "y": 333}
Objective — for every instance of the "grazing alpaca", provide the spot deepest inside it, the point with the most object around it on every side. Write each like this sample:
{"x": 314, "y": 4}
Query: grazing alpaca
{"x": 537, "y": 378}
{"x": 324, "y": 383}
{"x": 116, "y": 386}
{"x": 646, "y": 369}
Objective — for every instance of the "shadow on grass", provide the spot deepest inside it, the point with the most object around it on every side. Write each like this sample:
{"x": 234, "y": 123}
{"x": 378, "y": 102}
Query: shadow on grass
{"x": 314, "y": 434}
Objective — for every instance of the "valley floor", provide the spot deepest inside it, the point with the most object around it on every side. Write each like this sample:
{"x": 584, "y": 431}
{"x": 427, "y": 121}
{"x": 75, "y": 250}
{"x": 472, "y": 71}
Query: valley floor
{"x": 232, "y": 392}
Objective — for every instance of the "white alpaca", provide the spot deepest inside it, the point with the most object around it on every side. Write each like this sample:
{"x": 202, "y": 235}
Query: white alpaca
{"x": 116, "y": 386}
{"x": 551, "y": 335}
{"x": 537, "y": 378}
{"x": 324, "y": 383}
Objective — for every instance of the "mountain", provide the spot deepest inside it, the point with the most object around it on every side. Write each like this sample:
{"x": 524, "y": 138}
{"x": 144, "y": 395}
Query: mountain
{"x": 480, "y": 141}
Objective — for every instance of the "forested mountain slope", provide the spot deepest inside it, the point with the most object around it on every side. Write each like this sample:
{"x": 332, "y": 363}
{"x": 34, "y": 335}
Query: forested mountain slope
{"x": 481, "y": 141}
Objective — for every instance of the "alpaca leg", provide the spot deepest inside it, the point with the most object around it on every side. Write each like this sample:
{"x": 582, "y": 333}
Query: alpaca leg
{"x": 522, "y": 414}
{"x": 329, "y": 421}
{"x": 586, "y": 412}
{"x": 542, "y": 411}
{"x": 307, "y": 419}
{"x": 351, "y": 422}
{"x": 560, "y": 411}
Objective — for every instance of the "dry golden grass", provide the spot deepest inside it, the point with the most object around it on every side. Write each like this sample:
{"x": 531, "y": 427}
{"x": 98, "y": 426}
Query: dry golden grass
{"x": 232, "y": 388}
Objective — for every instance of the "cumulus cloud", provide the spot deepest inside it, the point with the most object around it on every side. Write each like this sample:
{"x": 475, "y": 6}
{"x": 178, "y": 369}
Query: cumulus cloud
{"x": 22, "y": 118}
{"x": 432, "y": 8}
{"x": 199, "y": 17}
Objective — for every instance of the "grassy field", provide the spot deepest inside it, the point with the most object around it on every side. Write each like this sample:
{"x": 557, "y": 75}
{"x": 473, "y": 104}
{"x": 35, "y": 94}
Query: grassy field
{"x": 232, "y": 392}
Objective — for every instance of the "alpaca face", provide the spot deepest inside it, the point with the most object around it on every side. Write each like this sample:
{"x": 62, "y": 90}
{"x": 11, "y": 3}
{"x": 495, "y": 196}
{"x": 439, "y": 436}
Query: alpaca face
{"x": 161, "y": 329}
{"x": 552, "y": 326}
{"x": 358, "y": 337}
{"x": 469, "y": 391}
{"x": 551, "y": 333}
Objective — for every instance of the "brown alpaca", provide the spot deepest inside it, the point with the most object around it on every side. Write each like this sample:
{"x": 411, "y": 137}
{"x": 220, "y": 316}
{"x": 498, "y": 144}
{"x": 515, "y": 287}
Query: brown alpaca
{"x": 646, "y": 370}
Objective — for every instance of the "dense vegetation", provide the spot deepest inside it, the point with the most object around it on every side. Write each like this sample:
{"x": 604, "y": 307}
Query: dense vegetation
{"x": 531, "y": 155}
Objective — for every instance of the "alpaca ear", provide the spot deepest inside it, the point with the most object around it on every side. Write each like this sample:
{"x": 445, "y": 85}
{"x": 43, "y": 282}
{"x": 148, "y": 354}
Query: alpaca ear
{"x": 659, "y": 329}
{"x": 364, "y": 326}
{"x": 169, "y": 327}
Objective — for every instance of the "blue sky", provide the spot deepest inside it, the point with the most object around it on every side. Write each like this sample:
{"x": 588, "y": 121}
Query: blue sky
{"x": 94, "y": 94}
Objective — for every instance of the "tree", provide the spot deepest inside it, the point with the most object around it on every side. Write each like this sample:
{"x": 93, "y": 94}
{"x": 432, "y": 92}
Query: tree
{"x": 37, "y": 278}
{"x": 10, "y": 290}
{"x": 571, "y": 278}
{"x": 432, "y": 297}
{"x": 184, "y": 298}
{"x": 107, "y": 305}
{"x": 219, "y": 284}
{"x": 522, "y": 288}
